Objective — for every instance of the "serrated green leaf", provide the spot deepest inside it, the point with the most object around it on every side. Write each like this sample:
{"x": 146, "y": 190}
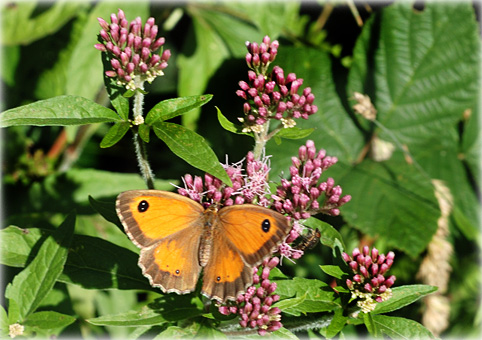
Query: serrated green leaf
{"x": 115, "y": 134}
{"x": 144, "y": 130}
{"x": 294, "y": 133}
{"x": 229, "y": 126}
{"x": 92, "y": 262}
{"x": 174, "y": 107}
{"x": 423, "y": 72}
{"x": 33, "y": 283}
{"x": 334, "y": 271}
{"x": 403, "y": 296}
{"x": 401, "y": 328}
{"x": 192, "y": 148}
{"x": 62, "y": 110}
{"x": 400, "y": 209}
{"x": 48, "y": 320}
{"x": 20, "y": 26}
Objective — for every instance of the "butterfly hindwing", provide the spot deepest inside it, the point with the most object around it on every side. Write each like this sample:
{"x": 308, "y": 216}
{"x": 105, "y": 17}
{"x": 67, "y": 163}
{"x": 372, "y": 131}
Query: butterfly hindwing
{"x": 253, "y": 230}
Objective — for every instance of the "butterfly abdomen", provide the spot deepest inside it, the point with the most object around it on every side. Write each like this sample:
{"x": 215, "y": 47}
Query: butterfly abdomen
{"x": 206, "y": 242}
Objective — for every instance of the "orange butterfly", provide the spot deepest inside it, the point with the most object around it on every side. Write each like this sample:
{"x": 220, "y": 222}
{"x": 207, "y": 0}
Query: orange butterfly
{"x": 178, "y": 238}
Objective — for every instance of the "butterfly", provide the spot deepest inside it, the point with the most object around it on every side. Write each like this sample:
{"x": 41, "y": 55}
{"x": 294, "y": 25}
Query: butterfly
{"x": 179, "y": 239}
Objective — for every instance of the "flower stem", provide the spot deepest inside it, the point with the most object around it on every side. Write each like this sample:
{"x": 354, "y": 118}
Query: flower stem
{"x": 260, "y": 141}
{"x": 144, "y": 165}
{"x": 140, "y": 146}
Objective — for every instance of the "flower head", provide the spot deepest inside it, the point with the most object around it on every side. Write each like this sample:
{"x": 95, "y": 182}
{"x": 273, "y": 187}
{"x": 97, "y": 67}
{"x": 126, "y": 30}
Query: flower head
{"x": 368, "y": 283}
{"x": 299, "y": 196}
{"x": 272, "y": 96}
{"x": 131, "y": 49}
{"x": 255, "y": 306}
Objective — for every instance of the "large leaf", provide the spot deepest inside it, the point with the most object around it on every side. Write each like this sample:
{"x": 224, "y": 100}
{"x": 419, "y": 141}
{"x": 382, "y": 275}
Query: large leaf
{"x": 390, "y": 200}
{"x": 401, "y": 328}
{"x": 62, "y": 110}
{"x": 20, "y": 24}
{"x": 33, "y": 283}
{"x": 403, "y": 296}
{"x": 192, "y": 148}
{"x": 92, "y": 263}
{"x": 423, "y": 72}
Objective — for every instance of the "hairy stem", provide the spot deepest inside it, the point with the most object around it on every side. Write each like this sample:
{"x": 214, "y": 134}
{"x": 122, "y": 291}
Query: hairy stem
{"x": 140, "y": 146}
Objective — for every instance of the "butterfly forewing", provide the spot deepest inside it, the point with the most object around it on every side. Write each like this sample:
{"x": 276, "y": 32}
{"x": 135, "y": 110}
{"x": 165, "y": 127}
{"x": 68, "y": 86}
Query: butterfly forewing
{"x": 151, "y": 215}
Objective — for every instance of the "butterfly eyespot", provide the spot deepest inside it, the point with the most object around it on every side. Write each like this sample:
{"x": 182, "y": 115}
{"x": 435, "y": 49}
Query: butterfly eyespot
{"x": 265, "y": 225}
{"x": 218, "y": 278}
{"x": 143, "y": 206}
{"x": 178, "y": 271}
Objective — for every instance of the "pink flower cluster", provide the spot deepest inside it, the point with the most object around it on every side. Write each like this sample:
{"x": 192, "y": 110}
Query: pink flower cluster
{"x": 369, "y": 284}
{"x": 255, "y": 306}
{"x": 298, "y": 197}
{"x": 132, "y": 49}
{"x": 273, "y": 96}
{"x": 250, "y": 186}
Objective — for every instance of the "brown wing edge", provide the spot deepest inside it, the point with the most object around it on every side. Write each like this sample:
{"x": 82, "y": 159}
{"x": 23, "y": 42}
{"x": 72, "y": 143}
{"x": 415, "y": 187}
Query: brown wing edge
{"x": 221, "y": 292}
{"x": 162, "y": 279}
{"x": 130, "y": 225}
{"x": 271, "y": 246}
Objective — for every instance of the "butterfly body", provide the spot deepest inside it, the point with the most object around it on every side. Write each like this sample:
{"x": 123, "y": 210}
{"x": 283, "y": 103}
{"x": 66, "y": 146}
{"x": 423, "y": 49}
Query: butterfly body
{"x": 179, "y": 239}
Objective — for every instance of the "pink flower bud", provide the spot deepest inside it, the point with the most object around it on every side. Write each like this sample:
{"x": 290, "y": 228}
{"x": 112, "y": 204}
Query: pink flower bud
{"x": 158, "y": 43}
{"x": 100, "y": 47}
{"x": 104, "y": 35}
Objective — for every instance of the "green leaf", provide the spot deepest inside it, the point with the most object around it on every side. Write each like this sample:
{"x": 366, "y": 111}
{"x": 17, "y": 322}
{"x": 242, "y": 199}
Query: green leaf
{"x": 310, "y": 296}
{"x": 424, "y": 70}
{"x": 144, "y": 131}
{"x": 74, "y": 186}
{"x": 399, "y": 208}
{"x": 107, "y": 211}
{"x": 115, "y": 92}
{"x": 294, "y": 133}
{"x": 16, "y": 245}
{"x": 171, "y": 108}
{"x": 21, "y": 25}
{"x": 4, "y": 330}
{"x": 115, "y": 134}
{"x": 48, "y": 320}
{"x": 192, "y": 148}
{"x": 229, "y": 126}
{"x": 33, "y": 283}
{"x": 337, "y": 323}
{"x": 334, "y": 271}
{"x": 403, "y": 296}
{"x": 62, "y": 110}
{"x": 166, "y": 309}
{"x": 92, "y": 262}
{"x": 401, "y": 328}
